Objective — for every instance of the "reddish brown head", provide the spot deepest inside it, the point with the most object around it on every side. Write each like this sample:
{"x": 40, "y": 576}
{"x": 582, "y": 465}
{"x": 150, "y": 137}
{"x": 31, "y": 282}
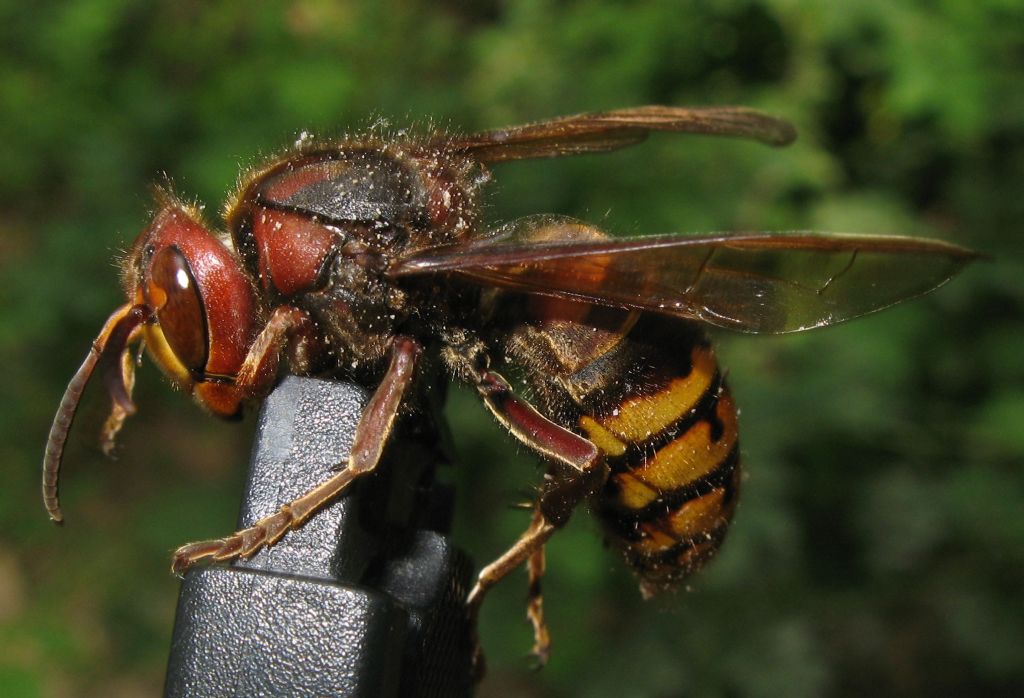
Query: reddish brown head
{"x": 205, "y": 313}
{"x": 194, "y": 308}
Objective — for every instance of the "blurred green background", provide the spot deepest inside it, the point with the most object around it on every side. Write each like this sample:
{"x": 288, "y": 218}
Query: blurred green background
{"x": 879, "y": 546}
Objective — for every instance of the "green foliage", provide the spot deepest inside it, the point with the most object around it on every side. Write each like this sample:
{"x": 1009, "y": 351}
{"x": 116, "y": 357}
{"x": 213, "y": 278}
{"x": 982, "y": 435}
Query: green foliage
{"x": 878, "y": 548}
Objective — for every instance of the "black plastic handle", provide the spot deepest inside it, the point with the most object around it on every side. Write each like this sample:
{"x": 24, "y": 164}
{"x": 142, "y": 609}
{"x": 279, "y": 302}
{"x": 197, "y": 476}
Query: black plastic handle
{"x": 366, "y": 599}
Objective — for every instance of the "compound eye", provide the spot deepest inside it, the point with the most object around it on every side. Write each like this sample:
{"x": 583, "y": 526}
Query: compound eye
{"x": 179, "y": 308}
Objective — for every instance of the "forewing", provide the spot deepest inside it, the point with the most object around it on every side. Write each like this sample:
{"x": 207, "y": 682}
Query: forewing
{"x": 603, "y": 131}
{"x": 751, "y": 282}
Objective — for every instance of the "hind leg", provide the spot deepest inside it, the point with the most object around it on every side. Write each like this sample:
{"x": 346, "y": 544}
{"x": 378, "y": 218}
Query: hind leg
{"x": 535, "y": 566}
{"x": 576, "y": 469}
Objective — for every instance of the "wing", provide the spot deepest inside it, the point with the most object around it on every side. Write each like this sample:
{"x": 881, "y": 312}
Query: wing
{"x": 752, "y": 282}
{"x": 603, "y": 131}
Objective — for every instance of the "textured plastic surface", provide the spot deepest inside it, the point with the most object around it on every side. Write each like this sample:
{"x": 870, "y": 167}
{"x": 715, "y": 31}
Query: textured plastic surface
{"x": 361, "y": 601}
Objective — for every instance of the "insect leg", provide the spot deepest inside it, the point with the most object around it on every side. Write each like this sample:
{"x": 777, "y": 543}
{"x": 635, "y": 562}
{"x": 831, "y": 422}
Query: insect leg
{"x": 529, "y": 543}
{"x": 535, "y": 567}
{"x": 371, "y": 435}
{"x": 576, "y": 467}
{"x": 261, "y": 361}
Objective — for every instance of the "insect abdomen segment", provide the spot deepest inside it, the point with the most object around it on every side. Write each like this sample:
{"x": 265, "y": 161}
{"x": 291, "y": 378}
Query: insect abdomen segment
{"x": 672, "y": 448}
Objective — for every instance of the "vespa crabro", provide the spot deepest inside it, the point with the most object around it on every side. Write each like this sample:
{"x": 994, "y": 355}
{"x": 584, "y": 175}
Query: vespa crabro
{"x": 362, "y": 257}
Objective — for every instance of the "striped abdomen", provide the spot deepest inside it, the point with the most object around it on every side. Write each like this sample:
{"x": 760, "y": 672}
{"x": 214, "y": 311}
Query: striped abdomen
{"x": 672, "y": 448}
{"x": 647, "y": 391}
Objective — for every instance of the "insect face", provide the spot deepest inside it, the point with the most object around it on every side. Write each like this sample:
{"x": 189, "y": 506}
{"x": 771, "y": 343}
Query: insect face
{"x": 204, "y": 313}
{"x": 191, "y": 305}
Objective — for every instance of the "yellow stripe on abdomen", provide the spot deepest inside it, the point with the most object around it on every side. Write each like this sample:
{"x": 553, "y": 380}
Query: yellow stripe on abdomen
{"x": 640, "y": 417}
{"x": 691, "y": 455}
{"x": 693, "y": 518}
{"x": 605, "y": 440}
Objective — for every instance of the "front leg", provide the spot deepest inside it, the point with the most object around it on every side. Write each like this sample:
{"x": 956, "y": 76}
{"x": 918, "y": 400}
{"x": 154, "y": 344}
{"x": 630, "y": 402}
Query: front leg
{"x": 371, "y": 435}
{"x": 261, "y": 362}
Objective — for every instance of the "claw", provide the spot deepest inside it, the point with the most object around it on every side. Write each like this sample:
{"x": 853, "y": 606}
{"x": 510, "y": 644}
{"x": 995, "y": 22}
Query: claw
{"x": 243, "y": 544}
{"x": 188, "y": 555}
{"x": 540, "y": 654}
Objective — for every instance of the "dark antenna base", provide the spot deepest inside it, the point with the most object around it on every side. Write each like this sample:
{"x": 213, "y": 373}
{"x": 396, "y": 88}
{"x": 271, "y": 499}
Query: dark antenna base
{"x": 366, "y": 599}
